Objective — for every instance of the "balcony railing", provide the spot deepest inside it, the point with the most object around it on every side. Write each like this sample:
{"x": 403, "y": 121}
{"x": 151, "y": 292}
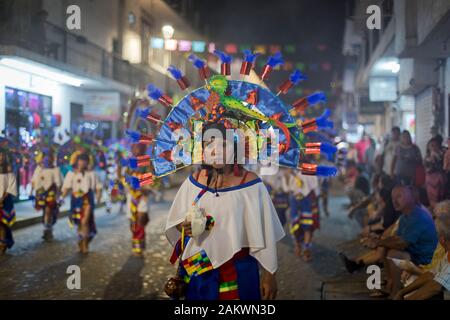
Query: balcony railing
{"x": 60, "y": 45}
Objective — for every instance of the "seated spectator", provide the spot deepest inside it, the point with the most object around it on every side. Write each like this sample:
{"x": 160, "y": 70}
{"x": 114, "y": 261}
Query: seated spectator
{"x": 433, "y": 281}
{"x": 415, "y": 238}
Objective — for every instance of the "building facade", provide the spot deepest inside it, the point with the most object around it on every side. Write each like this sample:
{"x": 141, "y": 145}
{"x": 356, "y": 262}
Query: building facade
{"x": 400, "y": 72}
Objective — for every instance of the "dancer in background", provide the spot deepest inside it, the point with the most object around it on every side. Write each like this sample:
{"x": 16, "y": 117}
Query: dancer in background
{"x": 116, "y": 182}
{"x": 82, "y": 184}
{"x": 277, "y": 185}
{"x": 304, "y": 210}
{"x": 46, "y": 183}
{"x": 8, "y": 190}
{"x": 138, "y": 205}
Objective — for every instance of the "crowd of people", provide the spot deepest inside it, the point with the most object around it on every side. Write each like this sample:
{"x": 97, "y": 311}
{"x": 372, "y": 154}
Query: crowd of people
{"x": 401, "y": 201}
{"x": 81, "y": 179}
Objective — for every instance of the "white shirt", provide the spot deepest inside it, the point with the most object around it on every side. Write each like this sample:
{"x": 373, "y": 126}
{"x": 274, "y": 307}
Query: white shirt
{"x": 245, "y": 217}
{"x": 80, "y": 183}
{"x": 8, "y": 184}
{"x": 46, "y": 177}
{"x": 308, "y": 184}
{"x": 143, "y": 205}
{"x": 442, "y": 272}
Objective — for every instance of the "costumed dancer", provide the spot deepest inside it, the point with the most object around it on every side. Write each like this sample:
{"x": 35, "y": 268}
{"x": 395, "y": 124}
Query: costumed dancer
{"x": 277, "y": 185}
{"x": 222, "y": 223}
{"x": 46, "y": 182}
{"x": 138, "y": 204}
{"x": 82, "y": 184}
{"x": 138, "y": 212}
{"x": 229, "y": 227}
{"x": 304, "y": 212}
{"x": 8, "y": 190}
{"x": 116, "y": 183}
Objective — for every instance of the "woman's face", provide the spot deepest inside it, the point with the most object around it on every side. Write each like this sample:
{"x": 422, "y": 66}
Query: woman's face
{"x": 218, "y": 153}
{"x": 434, "y": 146}
{"x": 81, "y": 164}
{"x": 406, "y": 138}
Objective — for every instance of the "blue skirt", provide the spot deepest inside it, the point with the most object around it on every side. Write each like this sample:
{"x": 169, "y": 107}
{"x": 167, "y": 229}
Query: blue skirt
{"x": 206, "y": 286}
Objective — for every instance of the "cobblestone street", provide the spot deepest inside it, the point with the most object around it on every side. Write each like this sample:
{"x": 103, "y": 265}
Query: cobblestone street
{"x": 34, "y": 269}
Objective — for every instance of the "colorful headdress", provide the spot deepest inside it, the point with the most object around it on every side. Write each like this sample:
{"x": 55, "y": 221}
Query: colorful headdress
{"x": 82, "y": 141}
{"x": 236, "y": 104}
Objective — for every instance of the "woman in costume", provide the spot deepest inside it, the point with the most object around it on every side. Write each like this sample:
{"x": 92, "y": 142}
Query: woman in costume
{"x": 8, "y": 190}
{"x": 82, "y": 184}
{"x": 303, "y": 203}
{"x": 222, "y": 223}
{"x": 46, "y": 182}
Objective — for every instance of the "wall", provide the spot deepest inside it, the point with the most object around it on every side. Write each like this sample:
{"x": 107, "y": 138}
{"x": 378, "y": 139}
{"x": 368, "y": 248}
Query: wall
{"x": 429, "y": 12}
{"x": 62, "y": 95}
{"x": 99, "y": 19}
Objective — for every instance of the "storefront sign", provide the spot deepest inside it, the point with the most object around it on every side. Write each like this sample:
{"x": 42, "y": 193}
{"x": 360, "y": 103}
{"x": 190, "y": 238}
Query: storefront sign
{"x": 102, "y": 106}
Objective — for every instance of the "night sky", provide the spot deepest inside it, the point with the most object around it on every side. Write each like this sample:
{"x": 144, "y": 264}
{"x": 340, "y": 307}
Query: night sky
{"x": 305, "y": 23}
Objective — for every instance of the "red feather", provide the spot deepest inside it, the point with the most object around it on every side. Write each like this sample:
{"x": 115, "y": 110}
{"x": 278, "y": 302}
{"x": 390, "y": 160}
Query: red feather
{"x": 285, "y": 131}
{"x": 252, "y": 97}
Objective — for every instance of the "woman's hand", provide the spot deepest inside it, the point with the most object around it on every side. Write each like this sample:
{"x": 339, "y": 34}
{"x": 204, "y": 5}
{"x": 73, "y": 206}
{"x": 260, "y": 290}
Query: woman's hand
{"x": 187, "y": 228}
{"x": 268, "y": 286}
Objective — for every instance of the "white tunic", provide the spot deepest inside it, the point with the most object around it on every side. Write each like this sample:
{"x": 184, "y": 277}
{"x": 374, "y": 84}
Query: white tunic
{"x": 8, "y": 184}
{"x": 46, "y": 177}
{"x": 143, "y": 205}
{"x": 245, "y": 217}
{"x": 308, "y": 184}
{"x": 80, "y": 183}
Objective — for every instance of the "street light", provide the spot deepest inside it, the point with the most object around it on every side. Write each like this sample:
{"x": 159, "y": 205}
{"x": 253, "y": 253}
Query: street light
{"x": 168, "y": 31}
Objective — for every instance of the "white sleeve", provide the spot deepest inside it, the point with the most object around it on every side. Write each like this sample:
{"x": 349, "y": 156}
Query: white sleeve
{"x": 177, "y": 212}
{"x": 143, "y": 204}
{"x": 12, "y": 185}
{"x": 68, "y": 181}
{"x": 272, "y": 231}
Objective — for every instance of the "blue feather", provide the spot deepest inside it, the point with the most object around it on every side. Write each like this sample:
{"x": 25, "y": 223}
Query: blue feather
{"x": 297, "y": 76}
{"x": 316, "y": 98}
{"x": 135, "y": 183}
{"x": 196, "y": 61}
{"x": 325, "y": 171}
{"x": 154, "y": 92}
{"x": 225, "y": 58}
{"x": 275, "y": 60}
{"x": 132, "y": 163}
{"x": 323, "y": 122}
{"x": 143, "y": 113}
{"x": 327, "y": 148}
{"x": 134, "y": 135}
{"x": 249, "y": 56}
{"x": 176, "y": 73}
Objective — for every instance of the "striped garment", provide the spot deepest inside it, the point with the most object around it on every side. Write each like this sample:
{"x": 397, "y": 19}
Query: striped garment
{"x": 442, "y": 274}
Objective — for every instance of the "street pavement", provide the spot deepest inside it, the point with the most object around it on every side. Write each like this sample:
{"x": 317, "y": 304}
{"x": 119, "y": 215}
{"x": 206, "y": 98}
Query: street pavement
{"x": 34, "y": 269}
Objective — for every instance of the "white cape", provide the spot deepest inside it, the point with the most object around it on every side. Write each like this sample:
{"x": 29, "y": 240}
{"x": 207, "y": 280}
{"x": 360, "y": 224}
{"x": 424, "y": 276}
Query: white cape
{"x": 245, "y": 217}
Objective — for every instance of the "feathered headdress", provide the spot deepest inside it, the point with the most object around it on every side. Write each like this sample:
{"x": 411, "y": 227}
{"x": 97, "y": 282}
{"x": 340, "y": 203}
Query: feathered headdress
{"x": 236, "y": 104}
